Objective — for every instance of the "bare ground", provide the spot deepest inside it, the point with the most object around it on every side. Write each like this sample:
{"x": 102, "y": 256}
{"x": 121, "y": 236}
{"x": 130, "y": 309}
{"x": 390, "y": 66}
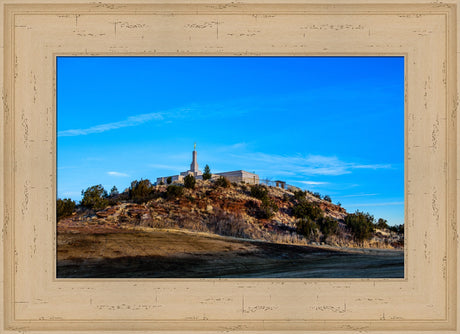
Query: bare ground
{"x": 180, "y": 254}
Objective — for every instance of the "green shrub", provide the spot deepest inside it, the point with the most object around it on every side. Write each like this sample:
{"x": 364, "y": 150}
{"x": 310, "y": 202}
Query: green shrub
{"x": 123, "y": 197}
{"x": 169, "y": 180}
{"x": 94, "y": 197}
{"x": 361, "y": 225}
{"x": 397, "y": 228}
{"x": 141, "y": 191}
{"x": 114, "y": 192}
{"x": 381, "y": 224}
{"x": 207, "y": 173}
{"x": 64, "y": 207}
{"x": 189, "y": 181}
{"x": 317, "y": 195}
{"x": 306, "y": 209}
{"x": 252, "y": 208}
{"x": 222, "y": 182}
{"x": 287, "y": 197}
{"x": 328, "y": 226}
{"x": 327, "y": 198}
{"x": 307, "y": 228}
{"x": 259, "y": 191}
{"x": 268, "y": 208}
{"x": 174, "y": 191}
{"x": 299, "y": 195}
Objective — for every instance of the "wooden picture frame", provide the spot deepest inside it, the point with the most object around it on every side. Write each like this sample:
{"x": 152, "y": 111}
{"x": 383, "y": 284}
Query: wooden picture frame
{"x": 35, "y": 32}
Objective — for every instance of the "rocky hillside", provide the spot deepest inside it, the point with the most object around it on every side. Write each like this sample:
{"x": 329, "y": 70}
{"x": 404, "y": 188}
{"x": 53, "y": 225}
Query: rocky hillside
{"x": 236, "y": 210}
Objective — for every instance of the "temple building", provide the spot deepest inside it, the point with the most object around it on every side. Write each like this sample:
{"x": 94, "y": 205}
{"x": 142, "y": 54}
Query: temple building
{"x": 239, "y": 176}
{"x": 233, "y": 176}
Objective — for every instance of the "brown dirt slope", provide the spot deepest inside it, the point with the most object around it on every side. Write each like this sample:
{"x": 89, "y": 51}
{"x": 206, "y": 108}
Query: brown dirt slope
{"x": 228, "y": 211}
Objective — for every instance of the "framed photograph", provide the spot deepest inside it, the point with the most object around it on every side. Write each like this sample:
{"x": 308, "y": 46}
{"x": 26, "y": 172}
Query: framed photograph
{"x": 258, "y": 212}
{"x": 112, "y": 222}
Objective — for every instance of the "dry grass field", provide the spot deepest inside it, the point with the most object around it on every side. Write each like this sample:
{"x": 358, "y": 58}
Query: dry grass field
{"x": 182, "y": 254}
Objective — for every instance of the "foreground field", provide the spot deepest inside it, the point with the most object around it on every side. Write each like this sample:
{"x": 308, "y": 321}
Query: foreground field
{"x": 177, "y": 254}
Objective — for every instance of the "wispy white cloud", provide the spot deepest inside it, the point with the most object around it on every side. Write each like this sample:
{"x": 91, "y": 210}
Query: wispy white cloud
{"x": 311, "y": 165}
{"x": 118, "y": 174}
{"x": 167, "y": 116}
{"x": 130, "y": 121}
{"x": 376, "y": 166}
{"x": 238, "y": 146}
{"x": 313, "y": 183}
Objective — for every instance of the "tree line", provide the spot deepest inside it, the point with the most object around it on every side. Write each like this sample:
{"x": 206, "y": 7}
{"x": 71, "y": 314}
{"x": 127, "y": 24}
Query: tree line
{"x": 140, "y": 191}
{"x": 312, "y": 220}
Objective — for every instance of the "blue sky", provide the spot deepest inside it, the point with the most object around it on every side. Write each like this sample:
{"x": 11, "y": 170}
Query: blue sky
{"x": 333, "y": 125}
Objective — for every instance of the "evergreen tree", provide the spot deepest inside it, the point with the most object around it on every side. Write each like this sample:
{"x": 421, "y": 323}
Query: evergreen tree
{"x": 328, "y": 226}
{"x": 64, "y": 207}
{"x": 114, "y": 191}
{"x": 361, "y": 225}
{"x": 381, "y": 224}
{"x": 307, "y": 228}
{"x": 173, "y": 191}
{"x": 207, "y": 173}
{"x": 189, "y": 181}
{"x": 94, "y": 197}
{"x": 222, "y": 182}
{"x": 141, "y": 191}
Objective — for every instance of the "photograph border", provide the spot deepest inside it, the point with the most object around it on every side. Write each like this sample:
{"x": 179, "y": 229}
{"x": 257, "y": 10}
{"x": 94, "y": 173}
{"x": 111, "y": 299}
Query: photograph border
{"x": 28, "y": 151}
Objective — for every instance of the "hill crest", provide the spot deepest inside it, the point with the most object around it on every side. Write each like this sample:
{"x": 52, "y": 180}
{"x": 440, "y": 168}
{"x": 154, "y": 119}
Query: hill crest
{"x": 239, "y": 210}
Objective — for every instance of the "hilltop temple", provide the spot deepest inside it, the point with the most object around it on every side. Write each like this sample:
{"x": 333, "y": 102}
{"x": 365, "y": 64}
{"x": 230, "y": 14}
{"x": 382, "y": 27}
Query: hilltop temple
{"x": 233, "y": 176}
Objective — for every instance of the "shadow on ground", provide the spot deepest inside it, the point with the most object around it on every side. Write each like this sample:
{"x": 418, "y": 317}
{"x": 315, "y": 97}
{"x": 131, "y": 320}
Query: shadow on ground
{"x": 181, "y": 255}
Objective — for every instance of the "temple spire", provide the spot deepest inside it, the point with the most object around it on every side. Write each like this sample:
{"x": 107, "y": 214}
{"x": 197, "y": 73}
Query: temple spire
{"x": 194, "y": 164}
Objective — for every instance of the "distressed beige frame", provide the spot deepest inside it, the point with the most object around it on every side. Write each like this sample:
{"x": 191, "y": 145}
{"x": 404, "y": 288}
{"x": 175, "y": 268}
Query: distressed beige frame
{"x": 35, "y": 32}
